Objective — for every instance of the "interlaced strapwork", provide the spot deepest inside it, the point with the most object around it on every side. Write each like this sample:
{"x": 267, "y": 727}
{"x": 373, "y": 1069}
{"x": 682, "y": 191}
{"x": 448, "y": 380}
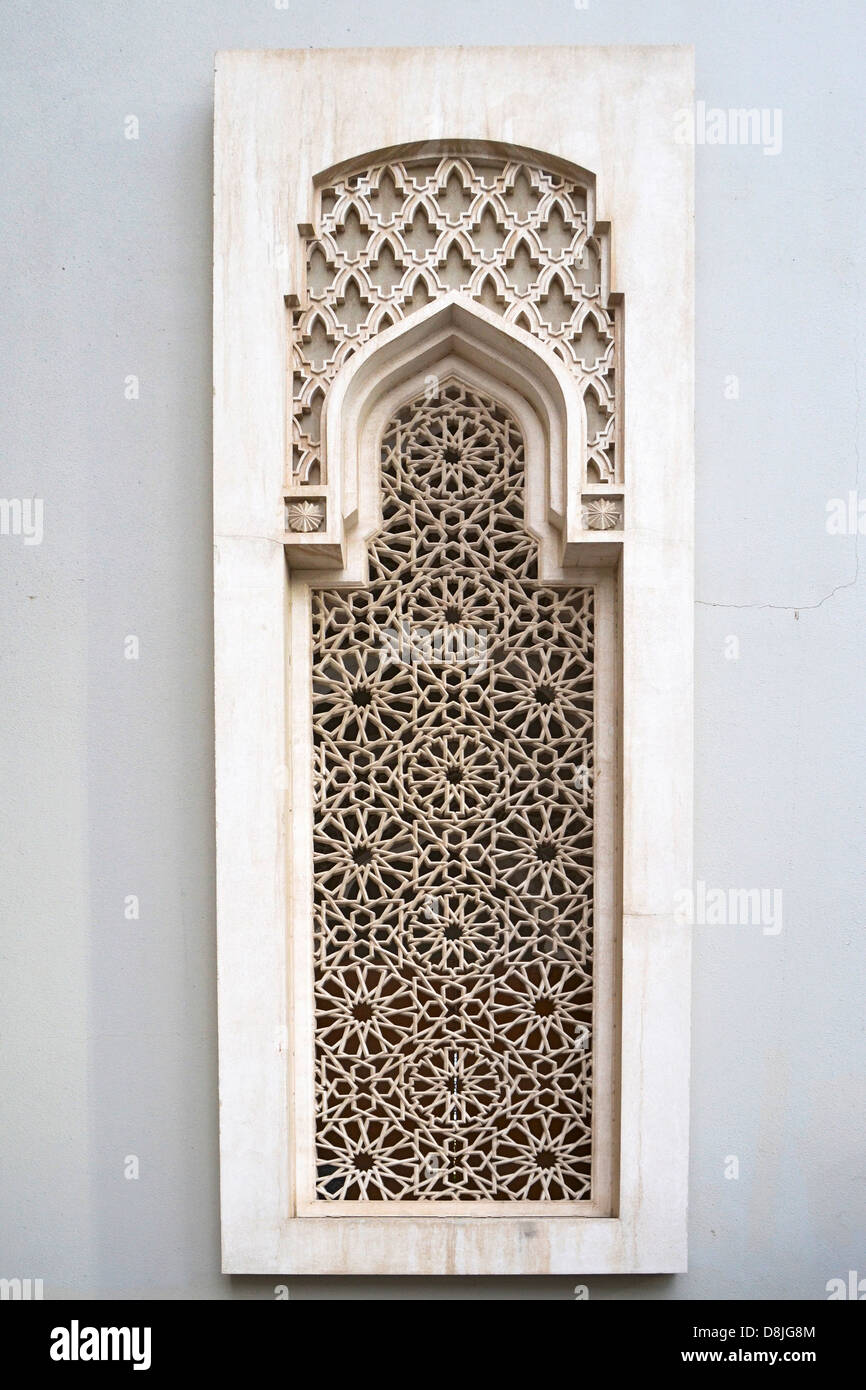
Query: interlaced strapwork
{"x": 515, "y": 237}
{"x": 453, "y": 853}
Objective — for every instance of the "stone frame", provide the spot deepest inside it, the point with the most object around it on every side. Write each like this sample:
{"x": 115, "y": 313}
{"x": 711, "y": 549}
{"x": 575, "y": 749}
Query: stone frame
{"x": 612, "y": 112}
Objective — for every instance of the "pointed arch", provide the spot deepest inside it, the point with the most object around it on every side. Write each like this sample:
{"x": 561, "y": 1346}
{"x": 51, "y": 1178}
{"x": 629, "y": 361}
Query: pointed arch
{"x": 457, "y": 328}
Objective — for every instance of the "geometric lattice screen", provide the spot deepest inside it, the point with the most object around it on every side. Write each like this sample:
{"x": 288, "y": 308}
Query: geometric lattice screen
{"x": 453, "y": 837}
{"x": 511, "y": 234}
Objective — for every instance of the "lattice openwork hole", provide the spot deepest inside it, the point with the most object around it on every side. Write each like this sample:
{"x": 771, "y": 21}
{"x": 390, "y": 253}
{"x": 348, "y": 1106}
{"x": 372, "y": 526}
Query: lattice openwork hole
{"x": 453, "y": 836}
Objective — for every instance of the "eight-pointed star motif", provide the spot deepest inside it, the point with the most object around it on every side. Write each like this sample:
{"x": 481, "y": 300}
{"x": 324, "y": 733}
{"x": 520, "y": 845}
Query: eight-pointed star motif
{"x": 453, "y": 844}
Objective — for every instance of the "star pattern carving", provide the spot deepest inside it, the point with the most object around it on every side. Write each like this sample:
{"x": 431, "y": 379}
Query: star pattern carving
{"x": 453, "y": 843}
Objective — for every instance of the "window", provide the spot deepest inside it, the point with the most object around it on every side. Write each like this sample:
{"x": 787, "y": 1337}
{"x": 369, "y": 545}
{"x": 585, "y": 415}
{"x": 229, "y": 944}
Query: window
{"x": 456, "y": 1030}
{"x": 450, "y": 985}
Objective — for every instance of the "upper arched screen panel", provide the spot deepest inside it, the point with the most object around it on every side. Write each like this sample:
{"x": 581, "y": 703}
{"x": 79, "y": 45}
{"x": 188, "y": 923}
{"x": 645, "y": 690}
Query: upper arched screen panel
{"x": 512, "y": 229}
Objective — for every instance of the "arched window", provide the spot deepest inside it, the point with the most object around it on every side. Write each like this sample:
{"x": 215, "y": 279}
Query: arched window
{"x": 455, "y": 1002}
{"x": 453, "y": 730}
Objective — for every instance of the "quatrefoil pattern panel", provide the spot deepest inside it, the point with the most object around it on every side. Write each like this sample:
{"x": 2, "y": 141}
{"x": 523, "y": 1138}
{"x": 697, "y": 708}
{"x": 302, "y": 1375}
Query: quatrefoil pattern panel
{"x": 453, "y": 837}
{"x": 514, "y": 236}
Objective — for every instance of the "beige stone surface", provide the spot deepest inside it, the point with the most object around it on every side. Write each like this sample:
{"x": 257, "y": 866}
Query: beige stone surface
{"x": 281, "y": 118}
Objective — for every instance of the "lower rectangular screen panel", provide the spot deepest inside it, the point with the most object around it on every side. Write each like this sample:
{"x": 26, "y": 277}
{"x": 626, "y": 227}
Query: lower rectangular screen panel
{"x": 453, "y": 703}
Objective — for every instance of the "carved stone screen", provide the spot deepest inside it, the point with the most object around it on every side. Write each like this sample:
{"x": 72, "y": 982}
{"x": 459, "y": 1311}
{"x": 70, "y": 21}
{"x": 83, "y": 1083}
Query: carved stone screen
{"x": 453, "y": 584}
{"x": 453, "y": 836}
{"x": 516, "y": 236}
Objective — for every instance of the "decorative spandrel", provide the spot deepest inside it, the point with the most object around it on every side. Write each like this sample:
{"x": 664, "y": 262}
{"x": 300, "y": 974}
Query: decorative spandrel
{"x": 453, "y": 837}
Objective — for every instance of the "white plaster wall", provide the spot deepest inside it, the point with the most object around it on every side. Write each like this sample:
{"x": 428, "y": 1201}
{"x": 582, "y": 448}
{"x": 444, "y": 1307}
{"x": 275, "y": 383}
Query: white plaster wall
{"x": 109, "y": 1029}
